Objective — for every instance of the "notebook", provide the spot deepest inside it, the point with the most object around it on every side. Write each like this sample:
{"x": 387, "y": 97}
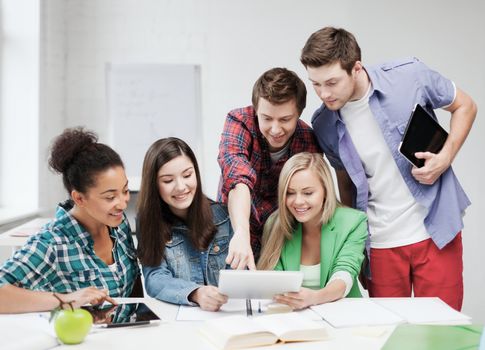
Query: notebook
{"x": 425, "y": 337}
{"x": 423, "y": 134}
{"x": 352, "y": 312}
{"x": 424, "y": 310}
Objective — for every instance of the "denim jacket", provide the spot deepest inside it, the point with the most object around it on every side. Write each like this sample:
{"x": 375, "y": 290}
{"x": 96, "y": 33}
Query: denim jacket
{"x": 184, "y": 269}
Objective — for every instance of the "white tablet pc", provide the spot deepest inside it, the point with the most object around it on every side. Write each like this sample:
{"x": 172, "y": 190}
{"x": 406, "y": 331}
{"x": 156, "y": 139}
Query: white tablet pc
{"x": 423, "y": 134}
{"x": 248, "y": 284}
{"x": 122, "y": 315}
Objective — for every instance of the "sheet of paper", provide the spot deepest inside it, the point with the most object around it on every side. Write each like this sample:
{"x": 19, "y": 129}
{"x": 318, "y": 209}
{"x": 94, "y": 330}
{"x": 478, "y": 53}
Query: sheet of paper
{"x": 423, "y": 310}
{"x": 353, "y": 312}
{"x": 27, "y": 332}
{"x": 310, "y": 314}
{"x": 232, "y": 307}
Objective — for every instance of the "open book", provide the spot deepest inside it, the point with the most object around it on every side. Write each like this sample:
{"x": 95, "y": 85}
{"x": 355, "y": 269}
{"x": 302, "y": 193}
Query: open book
{"x": 351, "y": 312}
{"x": 236, "y": 332}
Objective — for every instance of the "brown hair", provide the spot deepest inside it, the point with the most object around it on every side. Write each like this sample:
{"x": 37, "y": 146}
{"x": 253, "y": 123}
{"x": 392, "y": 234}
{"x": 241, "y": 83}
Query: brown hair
{"x": 280, "y": 85}
{"x": 77, "y": 155}
{"x": 329, "y": 45}
{"x": 155, "y": 219}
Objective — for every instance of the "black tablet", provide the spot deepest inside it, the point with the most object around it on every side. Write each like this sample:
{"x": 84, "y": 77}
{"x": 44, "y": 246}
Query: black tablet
{"x": 423, "y": 134}
{"x": 122, "y": 315}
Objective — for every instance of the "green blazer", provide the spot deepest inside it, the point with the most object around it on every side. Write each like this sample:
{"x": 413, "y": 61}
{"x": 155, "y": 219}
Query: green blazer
{"x": 342, "y": 247}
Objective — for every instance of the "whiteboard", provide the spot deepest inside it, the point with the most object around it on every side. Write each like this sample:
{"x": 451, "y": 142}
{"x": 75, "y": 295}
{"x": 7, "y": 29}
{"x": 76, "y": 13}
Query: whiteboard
{"x": 147, "y": 102}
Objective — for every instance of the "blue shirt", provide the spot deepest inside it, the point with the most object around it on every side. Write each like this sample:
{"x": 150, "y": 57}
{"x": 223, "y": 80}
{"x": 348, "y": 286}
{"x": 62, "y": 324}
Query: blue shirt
{"x": 184, "y": 268}
{"x": 396, "y": 88}
{"x": 61, "y": 258}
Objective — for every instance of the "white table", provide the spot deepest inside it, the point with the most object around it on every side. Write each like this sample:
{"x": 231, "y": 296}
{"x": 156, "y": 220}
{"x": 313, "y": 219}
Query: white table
{"x": 29, "y": 331}
{"x": 17, "y": 236}
{"x": 171, "y": 334}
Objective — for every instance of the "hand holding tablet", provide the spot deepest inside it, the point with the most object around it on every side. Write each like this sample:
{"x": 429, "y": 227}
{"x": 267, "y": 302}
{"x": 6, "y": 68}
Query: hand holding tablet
{"x": 423, "y": 134}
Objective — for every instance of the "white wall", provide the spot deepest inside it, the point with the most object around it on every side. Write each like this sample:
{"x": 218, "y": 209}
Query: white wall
{"x": 19, "y": 104}
{"x": 235, "y": 41}
{"x": 53, "y": 97}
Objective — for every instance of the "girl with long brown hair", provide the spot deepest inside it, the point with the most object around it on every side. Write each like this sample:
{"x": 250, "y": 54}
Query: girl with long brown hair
{"x": 183, "y": 235}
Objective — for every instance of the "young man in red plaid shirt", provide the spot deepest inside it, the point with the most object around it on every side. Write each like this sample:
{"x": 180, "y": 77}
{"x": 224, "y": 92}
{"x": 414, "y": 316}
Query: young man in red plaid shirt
{"x": 255, "y": 143}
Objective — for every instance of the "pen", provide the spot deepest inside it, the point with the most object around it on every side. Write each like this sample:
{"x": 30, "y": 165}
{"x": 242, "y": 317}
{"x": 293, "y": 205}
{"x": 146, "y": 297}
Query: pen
{"x": 249, "y": 309}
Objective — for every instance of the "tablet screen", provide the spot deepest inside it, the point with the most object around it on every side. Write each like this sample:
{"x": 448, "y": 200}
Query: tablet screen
{"x": 121, "y": 315}
{"x": 423, "y": 134}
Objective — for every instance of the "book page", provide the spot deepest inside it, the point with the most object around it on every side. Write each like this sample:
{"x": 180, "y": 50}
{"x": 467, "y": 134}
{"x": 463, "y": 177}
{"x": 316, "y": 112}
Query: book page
{"x": 236, "y": 331}
{"x": 423, "y": 310}
{"x": 293, "y": 327}
{"x": 356, "y": 312}
{"x": 235, "y": 325}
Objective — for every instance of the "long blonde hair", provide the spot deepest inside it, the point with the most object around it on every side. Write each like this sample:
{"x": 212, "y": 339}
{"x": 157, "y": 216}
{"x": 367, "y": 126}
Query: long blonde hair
{"x": 281, "y": 224}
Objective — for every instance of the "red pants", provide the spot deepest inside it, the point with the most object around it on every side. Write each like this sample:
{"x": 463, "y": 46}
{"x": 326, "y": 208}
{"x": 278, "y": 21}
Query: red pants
{"x": 420, "y": 267}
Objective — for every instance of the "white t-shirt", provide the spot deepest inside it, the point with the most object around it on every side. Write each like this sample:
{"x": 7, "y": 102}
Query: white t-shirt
{"x": 311, "y": 278}
{"x": 395, "y": 218}
{"x": 276, "y": 156}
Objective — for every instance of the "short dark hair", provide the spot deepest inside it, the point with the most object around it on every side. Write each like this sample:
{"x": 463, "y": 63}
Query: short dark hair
{"x": 79, "y": 157}
{"x": 280, "y": 85}
{"x": 329, "y": 45}
{"x": 154, "y": 217}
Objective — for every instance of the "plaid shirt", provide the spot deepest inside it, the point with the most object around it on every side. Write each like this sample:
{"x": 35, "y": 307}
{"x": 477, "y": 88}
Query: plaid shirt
{"x": 61, "y": 258}
{"x": 244, "y": 157}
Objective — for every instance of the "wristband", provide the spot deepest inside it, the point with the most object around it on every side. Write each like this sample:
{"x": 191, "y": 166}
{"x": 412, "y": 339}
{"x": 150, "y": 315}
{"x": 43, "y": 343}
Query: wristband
{"x": 61, "y": 302}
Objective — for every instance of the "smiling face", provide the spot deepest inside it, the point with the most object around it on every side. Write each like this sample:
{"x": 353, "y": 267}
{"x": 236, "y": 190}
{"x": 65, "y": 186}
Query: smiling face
{"x": 277, "y": 122}
{"x": 305, "y": 196}
{"x": 105, "y": 202}
{"x": 177, "y": 184}
{"x": 334, "y": 85}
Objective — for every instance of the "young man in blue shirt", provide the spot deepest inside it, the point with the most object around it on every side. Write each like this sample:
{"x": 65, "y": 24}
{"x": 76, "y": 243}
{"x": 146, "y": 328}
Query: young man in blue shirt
{"x": 415, "y": 214}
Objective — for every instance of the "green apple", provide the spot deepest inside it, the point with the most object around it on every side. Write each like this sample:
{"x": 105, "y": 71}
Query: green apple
{"x": 72, "y": 326}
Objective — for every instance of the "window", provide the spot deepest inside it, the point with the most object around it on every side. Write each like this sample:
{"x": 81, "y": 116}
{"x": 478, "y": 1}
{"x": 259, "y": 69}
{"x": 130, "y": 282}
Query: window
{"x": 19, "y": 108}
